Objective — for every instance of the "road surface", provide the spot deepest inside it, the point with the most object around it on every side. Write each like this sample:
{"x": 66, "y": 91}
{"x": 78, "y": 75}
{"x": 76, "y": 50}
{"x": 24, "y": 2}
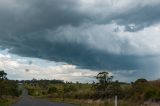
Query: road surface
{"x": 26, "y": 100}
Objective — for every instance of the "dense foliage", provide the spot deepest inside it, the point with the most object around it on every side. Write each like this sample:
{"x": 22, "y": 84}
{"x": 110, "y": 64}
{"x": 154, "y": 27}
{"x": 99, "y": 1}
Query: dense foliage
{"x": 9, "y": 89}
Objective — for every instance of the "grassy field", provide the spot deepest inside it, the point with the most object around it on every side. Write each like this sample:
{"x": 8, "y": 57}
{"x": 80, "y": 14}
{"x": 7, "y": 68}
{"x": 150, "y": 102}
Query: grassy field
{"x": 90, "y": 102}
{"x": 133, "y": 94}
{"x": 8, "y": 100}
{"x": 82, "y": 96}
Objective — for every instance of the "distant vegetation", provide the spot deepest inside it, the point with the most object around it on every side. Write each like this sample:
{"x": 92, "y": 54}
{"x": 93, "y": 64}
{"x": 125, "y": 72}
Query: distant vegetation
{"x": 99, "y": 93}
{"x": 9, "y": 89}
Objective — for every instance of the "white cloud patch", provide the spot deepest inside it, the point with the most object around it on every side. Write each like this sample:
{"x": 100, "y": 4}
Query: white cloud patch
{"x": 16, "y": 69}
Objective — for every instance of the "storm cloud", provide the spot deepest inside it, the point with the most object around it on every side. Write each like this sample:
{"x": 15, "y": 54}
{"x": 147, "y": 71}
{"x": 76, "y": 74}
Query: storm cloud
{"x": 105, "y": 35}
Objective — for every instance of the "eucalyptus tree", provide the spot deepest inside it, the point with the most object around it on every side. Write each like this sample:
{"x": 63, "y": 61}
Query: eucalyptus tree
{"x": 104, "y": 79}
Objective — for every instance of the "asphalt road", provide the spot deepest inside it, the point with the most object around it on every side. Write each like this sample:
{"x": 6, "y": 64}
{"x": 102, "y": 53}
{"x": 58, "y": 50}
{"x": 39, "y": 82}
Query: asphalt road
{"x": 26, "y": 100}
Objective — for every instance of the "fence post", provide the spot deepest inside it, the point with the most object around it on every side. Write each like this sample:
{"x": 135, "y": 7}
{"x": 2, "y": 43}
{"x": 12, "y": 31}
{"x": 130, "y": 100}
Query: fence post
{"x": 116, "y": 103}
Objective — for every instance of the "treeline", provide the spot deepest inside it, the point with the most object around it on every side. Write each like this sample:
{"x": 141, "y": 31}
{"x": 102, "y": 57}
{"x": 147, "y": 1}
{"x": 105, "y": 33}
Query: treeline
{"x": 104, "y": 89}
{"x": 54, "y": 81}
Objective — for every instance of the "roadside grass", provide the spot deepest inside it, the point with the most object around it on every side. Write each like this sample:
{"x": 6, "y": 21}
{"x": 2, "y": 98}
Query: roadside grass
{"x": 84, "y": 95}
{"x": 79, "y": 102}
{"x": 8, "y": 100}
{"x": 83, "y": 92}
{"x": 90, "y": 102}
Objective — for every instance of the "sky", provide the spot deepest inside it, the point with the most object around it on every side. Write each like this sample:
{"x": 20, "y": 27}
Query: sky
{"x": 73, "y": 40}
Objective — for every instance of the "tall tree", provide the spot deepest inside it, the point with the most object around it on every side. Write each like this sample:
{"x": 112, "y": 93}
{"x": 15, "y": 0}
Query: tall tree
{"x": 104, "y": 80}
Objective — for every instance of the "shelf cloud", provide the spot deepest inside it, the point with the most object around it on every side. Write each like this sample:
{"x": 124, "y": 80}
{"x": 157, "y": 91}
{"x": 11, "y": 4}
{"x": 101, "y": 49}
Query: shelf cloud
{"x": 97, "y": 35}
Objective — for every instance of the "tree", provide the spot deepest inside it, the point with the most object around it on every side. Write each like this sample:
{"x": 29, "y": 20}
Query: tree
{"x": 141, "y": 81}
{"x": 140, "y": 87}
{"x": 104, "y": 80}
{"x": 115, "y": 89}
{"x": 3, "y": 75}
{"x": 140, "y": 84}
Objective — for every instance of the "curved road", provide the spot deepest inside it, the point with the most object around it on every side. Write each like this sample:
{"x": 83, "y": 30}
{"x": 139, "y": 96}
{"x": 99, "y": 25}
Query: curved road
{"x": 26, "y": 100}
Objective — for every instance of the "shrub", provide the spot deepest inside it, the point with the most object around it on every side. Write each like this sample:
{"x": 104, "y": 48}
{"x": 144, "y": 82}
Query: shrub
{"x": 52, "y": 90}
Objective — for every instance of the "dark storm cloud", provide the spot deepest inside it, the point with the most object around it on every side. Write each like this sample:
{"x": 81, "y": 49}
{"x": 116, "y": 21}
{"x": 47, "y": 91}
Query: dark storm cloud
{"x": 24, "y": 27}
{"x": 37, "y": 15}
{"x": 139, "y": 13}
{"x": 80, "y": 55}
{"x": 22, "y": 17}
{"x": 142, "y": 17}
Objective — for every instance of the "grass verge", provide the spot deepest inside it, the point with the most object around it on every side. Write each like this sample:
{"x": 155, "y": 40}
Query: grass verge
{"x": 8, "y": 100}
{"x": 80, "y": 102}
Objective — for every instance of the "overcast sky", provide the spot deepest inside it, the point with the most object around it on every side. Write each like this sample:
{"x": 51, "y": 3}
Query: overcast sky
{"x": 76, "y": 39}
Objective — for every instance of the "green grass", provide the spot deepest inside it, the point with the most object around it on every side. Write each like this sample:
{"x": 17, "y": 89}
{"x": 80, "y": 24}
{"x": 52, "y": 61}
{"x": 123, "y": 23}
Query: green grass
{"x": 80, "y": 102}
{"x": 89, "y": 102}
{"x": 7, "y": 100}
{"x": 84, "y": 95}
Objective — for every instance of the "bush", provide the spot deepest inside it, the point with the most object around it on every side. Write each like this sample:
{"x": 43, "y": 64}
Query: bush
{"x": 9, "y": 88}
{"x": 69, "y": 88}
{"x": 150, "y": 94}
{"x": 52, "y": 90}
